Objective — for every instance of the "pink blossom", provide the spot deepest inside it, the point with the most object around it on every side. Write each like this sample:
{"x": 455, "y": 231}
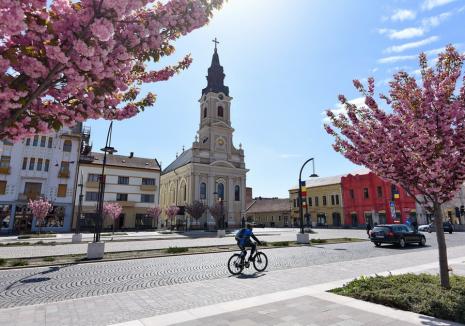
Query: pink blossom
{"x": 112, "y": 210}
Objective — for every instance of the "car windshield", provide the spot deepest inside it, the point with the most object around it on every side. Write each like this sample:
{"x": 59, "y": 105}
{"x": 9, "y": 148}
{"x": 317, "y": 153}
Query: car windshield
{"x": 380, "y": 229}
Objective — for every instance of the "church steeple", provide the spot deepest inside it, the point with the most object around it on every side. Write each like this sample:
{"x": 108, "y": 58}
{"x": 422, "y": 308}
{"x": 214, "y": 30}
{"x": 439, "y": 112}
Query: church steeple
{"x": 215, "y": 77}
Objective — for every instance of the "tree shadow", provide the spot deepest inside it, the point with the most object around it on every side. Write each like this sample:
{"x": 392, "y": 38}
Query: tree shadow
{"x": 33, "y": 279}
{"x": 429, "y": 320}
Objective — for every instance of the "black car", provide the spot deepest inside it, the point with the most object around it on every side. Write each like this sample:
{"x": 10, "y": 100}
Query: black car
{"x": 399, "y": 234}
{"x": 447, "y": 226}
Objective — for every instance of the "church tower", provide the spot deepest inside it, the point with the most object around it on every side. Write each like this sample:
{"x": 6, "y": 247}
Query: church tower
{"x": 213, "y": 167}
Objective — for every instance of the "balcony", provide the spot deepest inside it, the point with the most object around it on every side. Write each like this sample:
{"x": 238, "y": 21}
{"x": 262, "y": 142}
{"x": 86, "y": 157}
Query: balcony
{"x": 148, "y": 187}
{"x": 5, "y": 170}
{"x": 29, "y": 195}
{"x": 63, "y": 174}
{"x": 126, "y": 203}
{"x": 92, "y": 184}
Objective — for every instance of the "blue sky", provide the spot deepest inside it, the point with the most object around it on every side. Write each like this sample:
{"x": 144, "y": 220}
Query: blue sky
{"x": 285, "y": 63}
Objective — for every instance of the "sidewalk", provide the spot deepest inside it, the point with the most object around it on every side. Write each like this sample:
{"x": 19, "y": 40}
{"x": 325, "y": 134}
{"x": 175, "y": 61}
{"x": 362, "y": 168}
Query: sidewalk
{"x": 167, "y": 305}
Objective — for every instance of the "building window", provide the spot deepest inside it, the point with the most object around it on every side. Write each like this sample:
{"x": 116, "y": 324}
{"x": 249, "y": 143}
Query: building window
{"x": 2, "y": 187}
{"x": 379, "y": 191}
{"x": 64, "y": 169}
{"x": 67, "y": 145}
{"x": 237, "y": 193}
{"x": 28, "y": 142}
{"x": 91, "y": 196}
{"x": 121, "y": 197}
{"x": 35, "y": 141}
{"x": 39, "y": 164}
{"x": 309, "y": 201}
{"x": 93, "y": 177}
{"x": 337, "y": 199}
{"x": 47, "y": 164}
{"x": 352, "y": 195}
{"x": 43, "y": 139}
{"x": 123, "y": 180}
{"x": 148, "y": 181}
{"x": 5, "y": 162}
{"x": 316, "y": 201}
{"x": 295, "y": 202}
{"x": 203, "y": 190}
{"x": 144, "y": 198}
{"x": 24, "y": 163}
{"x": 220, "y": 111}
{"x": 32, "y": 162}
{"x": 220, "y": 190}
{"x": 365, "y": 193}
{"x": 205, "y": 112}
{"x": 324, "y": 200}
{"x": 50, "y": 142}
{"x": 61, "y": 190}
{"x": 332, "y": 200}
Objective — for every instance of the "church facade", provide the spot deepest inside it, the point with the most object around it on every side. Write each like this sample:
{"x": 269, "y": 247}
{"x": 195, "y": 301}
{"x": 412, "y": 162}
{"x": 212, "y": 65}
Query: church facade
{"x": 213, "y": 169}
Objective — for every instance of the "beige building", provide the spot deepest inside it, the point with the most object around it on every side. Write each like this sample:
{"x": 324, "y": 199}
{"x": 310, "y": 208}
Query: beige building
{"x": 213, "y": 168}
{"x": 131, "y": 181}
{"x": 324, "y": 202}
{"x": 270, "y": 212}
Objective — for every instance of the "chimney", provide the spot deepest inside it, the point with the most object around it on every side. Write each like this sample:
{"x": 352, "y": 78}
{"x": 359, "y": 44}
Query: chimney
{"x": 131, "y": 155}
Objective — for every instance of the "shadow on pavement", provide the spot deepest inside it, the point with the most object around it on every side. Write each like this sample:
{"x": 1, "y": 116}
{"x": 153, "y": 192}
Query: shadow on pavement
{"x": 248, "y": 276}
{"x": 395, "y": 247}
{"x": 31, "y": 279}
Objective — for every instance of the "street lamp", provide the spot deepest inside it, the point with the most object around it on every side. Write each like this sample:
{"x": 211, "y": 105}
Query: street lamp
{"x": 78, "y": 219}
{"x": 99, "y": 218}
{"x": 221, "y": 231}
{"x": 301, "y": 238}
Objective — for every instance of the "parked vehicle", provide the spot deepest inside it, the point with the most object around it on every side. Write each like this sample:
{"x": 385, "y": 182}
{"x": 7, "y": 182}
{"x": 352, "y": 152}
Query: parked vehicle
{"x": 424, "y": 228}
{"x": 447, "y": 226}
{"x": 399, "y": 234}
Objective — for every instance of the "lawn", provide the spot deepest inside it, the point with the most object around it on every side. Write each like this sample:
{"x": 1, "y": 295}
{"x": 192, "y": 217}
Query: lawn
{"x": 417, "y": 293}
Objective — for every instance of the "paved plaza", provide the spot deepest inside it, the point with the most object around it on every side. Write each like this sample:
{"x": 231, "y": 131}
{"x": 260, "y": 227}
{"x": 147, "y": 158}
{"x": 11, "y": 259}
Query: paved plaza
{"x": 198, "y": 289}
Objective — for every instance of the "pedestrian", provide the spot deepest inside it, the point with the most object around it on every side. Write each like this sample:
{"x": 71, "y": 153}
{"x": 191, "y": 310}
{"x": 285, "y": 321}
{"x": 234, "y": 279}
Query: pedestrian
{"x": 368, "y": 228}
{"x": 415, "y": 225}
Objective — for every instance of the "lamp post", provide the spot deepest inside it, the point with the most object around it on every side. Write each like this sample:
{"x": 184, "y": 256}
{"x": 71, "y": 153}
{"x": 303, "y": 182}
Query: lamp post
{"x": 98, "y": 247}
{"x": 221, "y": 231}
{"x": 302, "y": 237}
{"x": 77, "y": 236}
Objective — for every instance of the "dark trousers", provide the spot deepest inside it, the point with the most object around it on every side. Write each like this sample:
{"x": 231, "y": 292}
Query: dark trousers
{"x": 248, "y": 244}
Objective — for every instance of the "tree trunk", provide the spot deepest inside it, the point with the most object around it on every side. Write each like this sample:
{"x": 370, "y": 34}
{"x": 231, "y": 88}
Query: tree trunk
{"x": 114, "y": 221}
{"x": 443, "y": 264}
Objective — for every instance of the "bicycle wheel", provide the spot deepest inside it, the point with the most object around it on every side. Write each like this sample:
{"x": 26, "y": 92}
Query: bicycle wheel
{"x": 260, "y": 262}
{"x": 235, "y": 265}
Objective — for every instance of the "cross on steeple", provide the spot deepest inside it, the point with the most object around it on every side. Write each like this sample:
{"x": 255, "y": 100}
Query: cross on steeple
{"x": 216, "y": 42}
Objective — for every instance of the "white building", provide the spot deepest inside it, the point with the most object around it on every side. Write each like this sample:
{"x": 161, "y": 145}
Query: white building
{"x": 213, "y": 167}
{"x": 40, "y": 166}
{"x": 131, "y": 181}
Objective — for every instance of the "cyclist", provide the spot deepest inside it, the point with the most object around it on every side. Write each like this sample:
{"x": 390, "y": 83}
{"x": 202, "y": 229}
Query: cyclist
{"x": 243, "y": 240}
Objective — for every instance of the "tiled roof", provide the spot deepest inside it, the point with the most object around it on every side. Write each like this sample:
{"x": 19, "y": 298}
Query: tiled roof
{"x": 269, "y": 205}
{"x": 324, "y": 181}
{"x": 125, "y": 161}
{"x": 183, "y": 159}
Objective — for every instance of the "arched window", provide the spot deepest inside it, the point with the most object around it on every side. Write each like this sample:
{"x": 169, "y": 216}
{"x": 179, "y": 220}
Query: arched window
{"x": 184, "y": 192}
{"x": 67, "y": 145}
{"x": 220, "y": 191}
{"x": 203, "y": 190}
{"x": 237, "y": 193}
{"x": 220, "y": 111}
{"x": 205, "y": 112}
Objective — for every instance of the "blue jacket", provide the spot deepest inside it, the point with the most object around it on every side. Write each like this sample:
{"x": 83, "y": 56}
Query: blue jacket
{"x": 243, "y": 236}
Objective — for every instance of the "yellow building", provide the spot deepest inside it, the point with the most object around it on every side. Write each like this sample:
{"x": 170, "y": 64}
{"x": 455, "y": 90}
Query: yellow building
{"x": 324, "y": 205}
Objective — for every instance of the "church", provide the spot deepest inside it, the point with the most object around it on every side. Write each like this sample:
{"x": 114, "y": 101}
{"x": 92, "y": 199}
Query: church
{"x": 213, "y": 170}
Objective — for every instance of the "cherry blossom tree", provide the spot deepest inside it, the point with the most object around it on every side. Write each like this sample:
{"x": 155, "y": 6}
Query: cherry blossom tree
{"x": 154, "y": 213}
{"x": 77, "y": 60}
{"x": 113, "y": 211}
{"x": 196, "y": 209}
{"x": 420, "y": 143}
{"x": 40, "y": 209}
{"x": 171, "y": 211}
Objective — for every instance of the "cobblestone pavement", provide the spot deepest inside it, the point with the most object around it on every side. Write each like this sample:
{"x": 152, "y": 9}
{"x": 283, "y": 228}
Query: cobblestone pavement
{"x": 72, "y": 249}
{"x": 41, "y": 285}
{"x": 162, "y": 300}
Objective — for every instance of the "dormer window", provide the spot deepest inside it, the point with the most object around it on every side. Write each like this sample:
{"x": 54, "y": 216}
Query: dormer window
{"x": 205, "y": 112}
{"x": 220, "y": 111}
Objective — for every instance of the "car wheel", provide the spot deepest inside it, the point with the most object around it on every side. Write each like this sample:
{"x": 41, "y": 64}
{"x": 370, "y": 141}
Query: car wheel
{"x": 377, "y": 244}
{"x": 422, "y": 242}
{"x": 402, "y": 243}
{"x": 429, "y": 231}
{"x": 450, "y": 231}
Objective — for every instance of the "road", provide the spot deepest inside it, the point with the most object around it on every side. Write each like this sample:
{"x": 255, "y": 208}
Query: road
{"x": 43, "y": 285}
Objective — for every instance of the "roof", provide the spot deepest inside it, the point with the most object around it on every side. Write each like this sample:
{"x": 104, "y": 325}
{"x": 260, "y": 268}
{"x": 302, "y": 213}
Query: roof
{"x": 125, "y": 161}
{"x": 269, "y": 205}
{"x": 183, "y": 159}
{"x": 325, "y": 181}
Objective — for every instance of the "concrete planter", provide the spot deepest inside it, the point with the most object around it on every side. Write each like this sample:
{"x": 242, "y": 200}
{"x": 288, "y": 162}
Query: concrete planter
{"x": 303, "y": 238}
{"x": 77, "y": 238}
{"x": 221, "y": 233}
{"x": 95, "y": 250}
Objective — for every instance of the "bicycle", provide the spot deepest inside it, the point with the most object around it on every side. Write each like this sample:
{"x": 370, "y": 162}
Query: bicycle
{"x": 237, "y": 263}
